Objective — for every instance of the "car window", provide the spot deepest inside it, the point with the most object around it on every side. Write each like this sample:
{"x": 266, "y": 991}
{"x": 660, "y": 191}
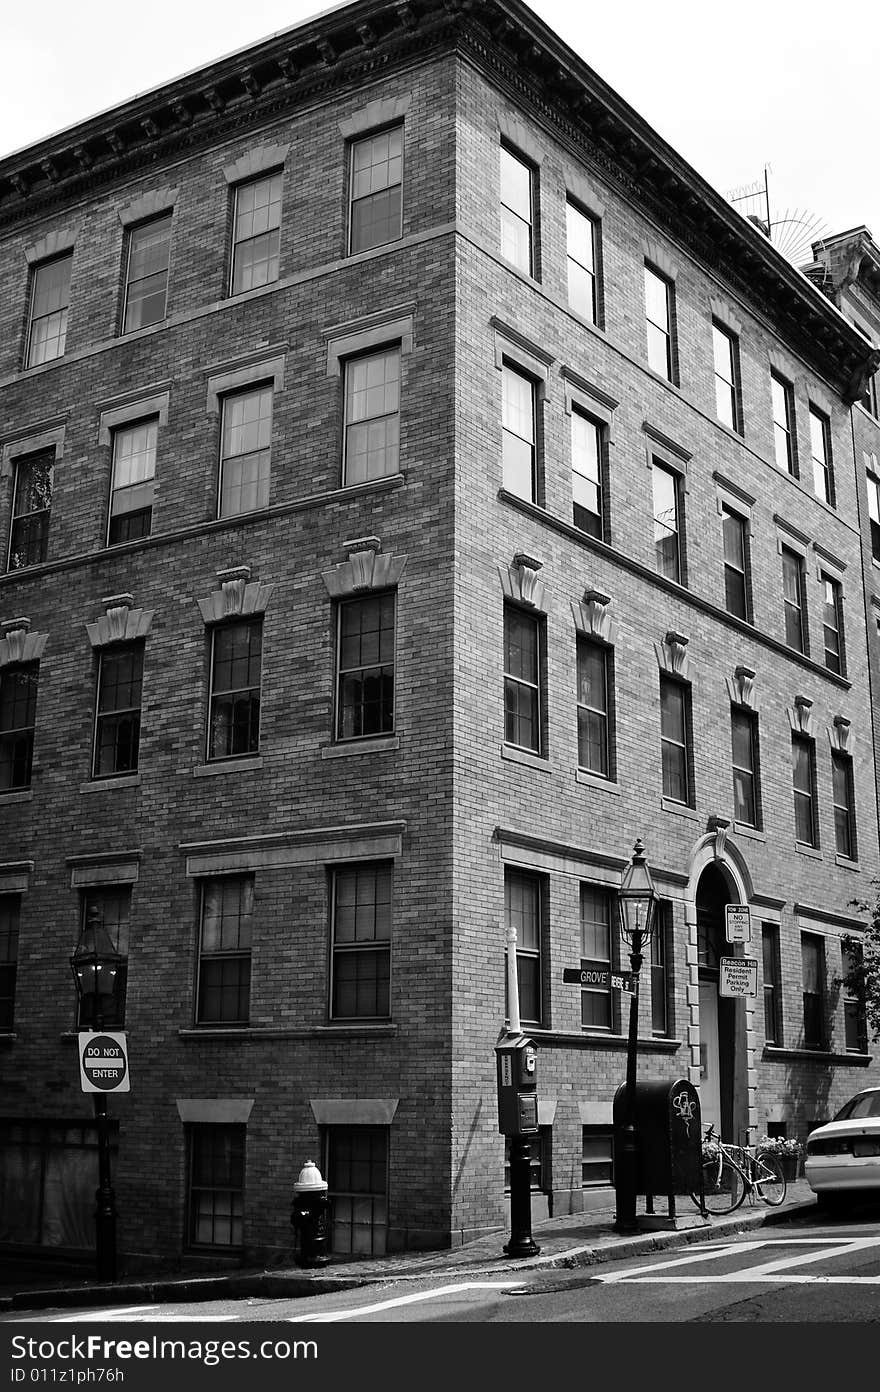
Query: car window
{"x": 864, "y": 1104}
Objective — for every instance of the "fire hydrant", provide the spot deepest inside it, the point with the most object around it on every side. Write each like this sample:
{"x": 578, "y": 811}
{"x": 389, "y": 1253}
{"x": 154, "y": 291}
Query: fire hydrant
{"x": 310, "y": 1216}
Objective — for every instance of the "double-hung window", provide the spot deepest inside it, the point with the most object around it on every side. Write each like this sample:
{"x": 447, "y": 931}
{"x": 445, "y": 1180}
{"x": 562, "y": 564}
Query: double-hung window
{"x": 31, "y": 509}
{"x": 675, "y": 739}
{"x": 522, "y": 679}
{"x": 594, "y": 707}
{"x": 844, "y": 804}
{"x": 666, "y": 494}
{"x": 109, "y": 909}
{"x": 9, "y": 914}
{"x": 372, "y": 416}
{"x": 225, "y": 928}
{"x": 582, "y": 235}
{"x": 597, "y": 946}
{"x": 659, "y": 312}
{"x": 18, "y": 718}
{"x": 813, "y": 975}
{"x": 794, "y": 599}
{"x": 772, "y": 984}
{"x": 744, "y": 732}
{"x": 523, "y": 911}
{"x": 216, "y": 1185}
{"x": 587, "y": 459}
{"x": 783, "y": 423}
{"x": 874, "y": 514}
{"x": 256, "y": 233}
{"x": 803, "y": 763}
{"x": 365, "y": 667}
{"x": 234, "y": 705}
{"x": 361, "y": 928}
{"x": 517, "y": 211}
{"x": 519, "y": 443}
{"x": 47, "y": 320}
{"x": 734, "y": 531}
{"x": 245, "y": 451}
{"x": 725, "y": 349}
{"x": 133, "y": 485}
{"x": 820, "y": 452}
{"x": 832, "y": 626}
{"x": 146, "y": 274}
{"x": 661, "y": 940}
{"x": 376, "y": 189}
{"x": 855, "y": 1021}
{"x": 118, "y": 717}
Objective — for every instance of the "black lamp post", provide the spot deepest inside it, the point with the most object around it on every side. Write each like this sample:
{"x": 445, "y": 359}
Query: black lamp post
{"x": 95, "y": 964}
{"x": 636, "y": 902}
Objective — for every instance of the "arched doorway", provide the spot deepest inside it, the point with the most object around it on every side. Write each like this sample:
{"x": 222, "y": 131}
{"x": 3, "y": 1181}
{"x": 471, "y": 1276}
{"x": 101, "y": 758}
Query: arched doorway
{"x": 718, "y": 1014}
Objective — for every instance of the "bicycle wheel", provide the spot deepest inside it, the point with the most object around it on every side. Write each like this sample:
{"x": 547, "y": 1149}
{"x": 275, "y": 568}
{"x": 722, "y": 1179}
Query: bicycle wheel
{"x": 723, "y": 1189}
{"x": 770, "y": 1181}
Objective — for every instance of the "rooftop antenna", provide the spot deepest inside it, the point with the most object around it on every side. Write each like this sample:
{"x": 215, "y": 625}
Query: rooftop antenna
{"x": 792, "y": 233}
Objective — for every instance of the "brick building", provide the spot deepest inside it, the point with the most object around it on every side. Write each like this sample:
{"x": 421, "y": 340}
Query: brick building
{"x": 417, "y": 484}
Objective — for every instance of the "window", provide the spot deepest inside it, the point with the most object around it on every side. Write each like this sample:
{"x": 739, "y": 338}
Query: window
{"x": 118, "y": 719}
{"x": 744, "y": 731}
{"x": 523, "y": 911}
{"x": 361, "y": 965}
{"x": 376, "y": 189}
{"x": 820, "y": 451}
{"x": 225, "y": 926}
{"x": 245, "y": 451}
{"x": 594, "y": 674}
{"x": 582, "y": 241}
{"x": 519, "y": 455}
{"x": 734, "y": 530}
{"x": 675, "y": 739}
{"x": 666, "y": 488}
{"x": 832, "y": 626}
{"x": 256, "y": 234}
{"x": 661, "y": 939}
{"x": 234, "y": 709}
{"x": 31, "y": 506}
{"x": 517, "y": 211}
{"x": 658, "y": 317}
{"x": 725, "y": 348}
{"x": 365, "y": 698}
{"x": 794, "y": 600}
{"x": 855, "y": 1021}
{"x": 597, "y": 1156}
{"x": 18, "y": 717}
{"x": 522, "y": 679}
{"x": 587, "y": 458}
{"x": 803, "y": 762}
{"x": 146, "y": 277}
{"x": 874, "y": 514}
{"x": 9, "y": 913}
{"x": 597, "y": 946}
{"x": 813, "y": 969}
{"x": 50, "y": 296}
{"x": 772, "y": 984}
{"x": 372, "y": 416}
{"x": 869, "y": 398}
{"x": 356, "y": 1168}
{"x": 113, "y": 906}
{"x": 844, "y": 804}
{"x": 216, "y": 1185}
{"x": 783, "y": 428}
{"x": 132, "y": 488}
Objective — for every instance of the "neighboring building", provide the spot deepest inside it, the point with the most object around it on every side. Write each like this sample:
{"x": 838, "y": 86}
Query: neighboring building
{"x": 417, "y": 483}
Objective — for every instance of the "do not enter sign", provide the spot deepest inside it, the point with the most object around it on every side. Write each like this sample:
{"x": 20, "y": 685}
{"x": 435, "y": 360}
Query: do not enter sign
{"x": 103, "y": 1062}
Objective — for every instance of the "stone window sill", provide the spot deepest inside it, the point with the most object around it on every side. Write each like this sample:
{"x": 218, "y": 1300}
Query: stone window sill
{"x": 103, "y": 785}
{"x": 846, "y": 863}
{"x": 679, "y": 809}
{"x": 19, "y": 795}
{"x": 823, "y": 1056}
{"x": 227, "y": 766}
{"x": 246, "y": 1033}
{"x": 382, "y": 744}
{"x": 753, "y": 833}
{"x": 524, "y": 756}
{"x": 595, "y": 780}
{"x": 812, "y": 851}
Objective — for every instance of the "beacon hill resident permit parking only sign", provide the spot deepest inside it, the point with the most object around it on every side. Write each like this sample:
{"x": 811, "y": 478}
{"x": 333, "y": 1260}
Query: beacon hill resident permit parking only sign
{"x": 103, "y": 1062}
{"x": 739, "y": 976}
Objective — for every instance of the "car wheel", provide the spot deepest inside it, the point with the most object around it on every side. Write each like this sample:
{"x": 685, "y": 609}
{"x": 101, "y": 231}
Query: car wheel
{"x": 832, "y": 1203}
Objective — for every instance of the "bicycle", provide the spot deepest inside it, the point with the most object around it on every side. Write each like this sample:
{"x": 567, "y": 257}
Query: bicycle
{"x": 731, "y": 1172}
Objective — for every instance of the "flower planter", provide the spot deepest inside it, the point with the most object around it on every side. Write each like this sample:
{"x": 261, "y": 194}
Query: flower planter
{"x": 790, "y": 1166}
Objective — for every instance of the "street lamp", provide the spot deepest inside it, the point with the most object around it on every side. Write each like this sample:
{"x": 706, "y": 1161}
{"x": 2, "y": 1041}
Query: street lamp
{"x": 636, "y": 902}
{"x": 95, "y": 964}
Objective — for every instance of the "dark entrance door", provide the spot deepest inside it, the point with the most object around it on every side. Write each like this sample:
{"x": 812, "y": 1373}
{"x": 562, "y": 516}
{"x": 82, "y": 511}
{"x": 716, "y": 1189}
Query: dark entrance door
{"x": 717, "y": 1013}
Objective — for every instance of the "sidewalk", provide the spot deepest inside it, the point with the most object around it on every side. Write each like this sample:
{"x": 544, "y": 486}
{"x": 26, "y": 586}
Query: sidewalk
{"x": 576, "y": 1240}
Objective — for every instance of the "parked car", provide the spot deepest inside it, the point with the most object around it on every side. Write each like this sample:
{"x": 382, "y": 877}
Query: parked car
{"x": 843, "y": 1156}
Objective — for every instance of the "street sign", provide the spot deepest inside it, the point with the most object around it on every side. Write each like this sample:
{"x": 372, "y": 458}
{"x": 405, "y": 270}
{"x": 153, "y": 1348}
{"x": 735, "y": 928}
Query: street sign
{"x": 600, "y": 977}
{"x": 738, "y": 923}
{"x": 103, "y": 1061}
{"x": 739, "y": 976}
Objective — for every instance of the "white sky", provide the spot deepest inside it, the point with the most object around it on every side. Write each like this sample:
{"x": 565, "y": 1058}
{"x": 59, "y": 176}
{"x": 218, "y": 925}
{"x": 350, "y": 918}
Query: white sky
{"x": 732, "y": 87}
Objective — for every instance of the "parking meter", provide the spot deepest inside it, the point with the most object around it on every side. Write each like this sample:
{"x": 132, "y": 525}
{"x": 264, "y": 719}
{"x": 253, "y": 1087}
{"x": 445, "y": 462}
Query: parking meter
{"x": 517, "y": 1070}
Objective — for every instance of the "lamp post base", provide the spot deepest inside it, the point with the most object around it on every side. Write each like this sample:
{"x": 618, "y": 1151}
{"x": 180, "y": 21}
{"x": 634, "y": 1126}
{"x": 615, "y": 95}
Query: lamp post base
{"x": 521, "y": 1243}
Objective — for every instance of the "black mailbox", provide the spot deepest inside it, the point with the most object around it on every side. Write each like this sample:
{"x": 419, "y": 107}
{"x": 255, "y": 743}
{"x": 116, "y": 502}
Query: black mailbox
{"x": 667, "y": 1116}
